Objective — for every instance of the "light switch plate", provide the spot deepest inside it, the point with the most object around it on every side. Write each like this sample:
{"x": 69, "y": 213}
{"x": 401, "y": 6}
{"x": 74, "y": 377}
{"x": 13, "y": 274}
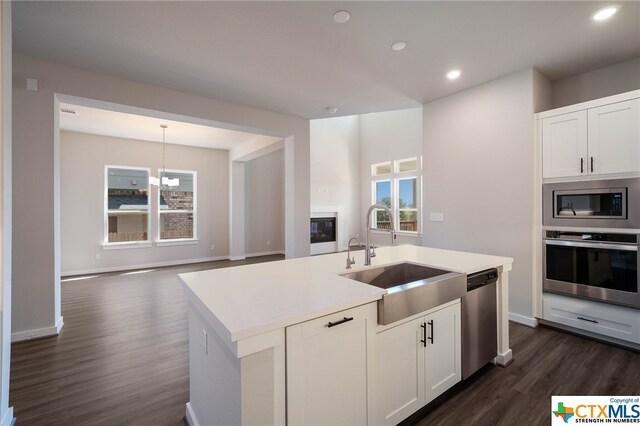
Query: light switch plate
{"x": 436, "y": 217}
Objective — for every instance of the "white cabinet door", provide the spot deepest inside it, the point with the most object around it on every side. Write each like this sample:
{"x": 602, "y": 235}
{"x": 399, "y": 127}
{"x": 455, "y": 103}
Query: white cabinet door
{"x": 396, "y": 385}
{"x": 614, "y": 138}
{"x": 413, "y": 363}
{"x": 564, "y": 145}
{"x": 443, "y": 352}
{"x": 327, "y": 369}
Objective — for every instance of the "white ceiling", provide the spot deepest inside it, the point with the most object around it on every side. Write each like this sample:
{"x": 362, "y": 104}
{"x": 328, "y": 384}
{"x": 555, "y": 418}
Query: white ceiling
{"x": 292, "y": 57}
{"x": 130, "y": 126}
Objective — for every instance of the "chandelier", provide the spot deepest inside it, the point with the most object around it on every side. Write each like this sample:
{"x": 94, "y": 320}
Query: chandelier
{"x": 165, "y": 180}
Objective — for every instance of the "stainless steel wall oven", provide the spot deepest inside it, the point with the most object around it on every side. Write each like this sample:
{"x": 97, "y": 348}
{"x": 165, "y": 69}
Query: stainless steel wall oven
{"x": 613, "y": 203}
{"x": 599, "y": 266}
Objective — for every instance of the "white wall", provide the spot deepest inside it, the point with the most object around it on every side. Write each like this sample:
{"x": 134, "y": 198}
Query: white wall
{"x": 36, "y": 254}
{"x": 618, "y": 78}
{"x": 264, "y": 202}
{"x": 387, "y": 136}
{"x": 335, "y": 172}
{"x": 479, "y": 171}
{"x": 82, "y": 161}
{"x": 6, "y": 412}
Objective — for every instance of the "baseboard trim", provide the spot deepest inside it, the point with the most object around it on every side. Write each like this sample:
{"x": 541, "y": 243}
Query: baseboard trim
{"x": 8, "y": 419}
{"x": 141, "y": 266}
{"x": 264, "y": 253}
{"x": 234, "y": 258}
{"x": 521, "y": 319}
{"x": 190, "y": 417}
{"x": 38, "y": 333}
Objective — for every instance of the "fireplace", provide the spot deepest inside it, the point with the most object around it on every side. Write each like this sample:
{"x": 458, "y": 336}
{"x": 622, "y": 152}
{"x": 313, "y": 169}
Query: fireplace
{"x": 323, "y": 230}
{"x": 325, "y": 233}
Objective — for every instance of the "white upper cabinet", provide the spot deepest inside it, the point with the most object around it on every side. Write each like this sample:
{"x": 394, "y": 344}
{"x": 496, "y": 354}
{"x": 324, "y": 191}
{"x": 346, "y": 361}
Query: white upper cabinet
{"x": 564, "y": 149}
{"x": 592, "y": 139}
{"x": 614, "y": 138}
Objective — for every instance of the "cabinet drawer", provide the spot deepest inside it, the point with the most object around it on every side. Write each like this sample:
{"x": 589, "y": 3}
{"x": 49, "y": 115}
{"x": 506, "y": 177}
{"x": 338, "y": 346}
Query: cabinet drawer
{"x": 608, "y": 320}
{"x": 326, "y": 323}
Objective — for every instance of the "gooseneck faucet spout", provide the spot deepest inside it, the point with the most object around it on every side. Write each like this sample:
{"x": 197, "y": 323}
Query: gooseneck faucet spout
{"x": 351, "y": 260}
{"x": 369, "y": 252}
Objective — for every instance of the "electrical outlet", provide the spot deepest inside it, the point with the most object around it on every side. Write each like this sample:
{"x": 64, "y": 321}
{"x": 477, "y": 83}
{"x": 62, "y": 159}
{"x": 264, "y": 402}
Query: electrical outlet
{"x": 205, "y": 340}
{"x": 436, "y": 217}
{"x": 98, "y": 256}
{"x": 213, "y": 247}
{"x": 268, "y": 242}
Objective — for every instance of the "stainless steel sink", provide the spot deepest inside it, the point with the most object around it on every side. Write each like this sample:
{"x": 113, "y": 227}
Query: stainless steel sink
{"x": 411, "y": 288}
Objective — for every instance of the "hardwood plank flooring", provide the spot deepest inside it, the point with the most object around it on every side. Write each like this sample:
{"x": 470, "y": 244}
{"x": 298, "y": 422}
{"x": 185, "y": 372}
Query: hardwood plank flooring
{"x": 122, "y": 358}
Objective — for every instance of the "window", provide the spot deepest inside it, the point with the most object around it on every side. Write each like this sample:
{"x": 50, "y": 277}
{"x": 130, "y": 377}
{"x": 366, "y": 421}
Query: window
{"x": 383, "y": 196}
{"x": 177, "y": 206}
{"x": 397, "y": 185}
{"x": 126, "y": 204}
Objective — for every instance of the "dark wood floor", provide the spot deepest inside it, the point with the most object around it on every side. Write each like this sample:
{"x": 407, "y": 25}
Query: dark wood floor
{"x": 122, "y": 356}
{"x": 122, "y": 359}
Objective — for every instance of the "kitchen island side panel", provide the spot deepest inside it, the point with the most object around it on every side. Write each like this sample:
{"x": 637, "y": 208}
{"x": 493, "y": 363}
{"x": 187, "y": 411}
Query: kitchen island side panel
{"x": 214, "y": 376}
{"x": 227, "y": 390}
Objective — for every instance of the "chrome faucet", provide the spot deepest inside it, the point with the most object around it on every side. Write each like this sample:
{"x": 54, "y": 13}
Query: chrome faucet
{"x": 351, "y": 260}
{"x": 371, "y": 252}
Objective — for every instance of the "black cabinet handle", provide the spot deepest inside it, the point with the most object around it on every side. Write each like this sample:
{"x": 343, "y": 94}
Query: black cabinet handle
{"x": 581, "y": 165}
{"x": 342, "y": 321}
{"x": 431, "y": 326}
{"x": 589, "y": 320}
{"x": 424, "y": 334}
{"x": 591, "y": 164}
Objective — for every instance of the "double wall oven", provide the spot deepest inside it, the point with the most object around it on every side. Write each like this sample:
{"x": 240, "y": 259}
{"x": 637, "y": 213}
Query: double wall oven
{"x": 593, "y": 252}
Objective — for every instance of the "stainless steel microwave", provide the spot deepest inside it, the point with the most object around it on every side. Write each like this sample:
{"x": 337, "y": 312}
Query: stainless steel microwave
{"x": 613, "y": 203}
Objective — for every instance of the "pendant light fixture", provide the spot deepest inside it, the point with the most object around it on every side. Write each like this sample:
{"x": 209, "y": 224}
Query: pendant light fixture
{"x": 165, "y": 180}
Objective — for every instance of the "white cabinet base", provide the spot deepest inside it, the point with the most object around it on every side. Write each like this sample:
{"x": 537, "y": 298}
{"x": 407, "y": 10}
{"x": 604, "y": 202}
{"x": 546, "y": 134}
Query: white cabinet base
{"x": 327, "y": 368}
{"x": 412, "y": 363}
{"x": 607, "y": 322}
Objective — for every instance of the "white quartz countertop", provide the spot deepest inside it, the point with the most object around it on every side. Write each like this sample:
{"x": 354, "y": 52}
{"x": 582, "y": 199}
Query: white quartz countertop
{"x": 249, "y": 300}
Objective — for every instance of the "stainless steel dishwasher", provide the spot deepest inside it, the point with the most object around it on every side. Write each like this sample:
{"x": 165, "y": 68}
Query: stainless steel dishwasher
{"x": 479, "y": 321}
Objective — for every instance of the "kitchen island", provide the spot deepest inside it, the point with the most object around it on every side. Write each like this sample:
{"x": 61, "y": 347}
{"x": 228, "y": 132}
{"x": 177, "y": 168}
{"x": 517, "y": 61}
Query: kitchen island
{"x": 244, "y": 320}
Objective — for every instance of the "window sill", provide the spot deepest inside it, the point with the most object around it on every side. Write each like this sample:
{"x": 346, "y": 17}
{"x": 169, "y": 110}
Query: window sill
{"x": 408, "y": 234}
{"x": 126, "y": 245}
{"x": 177, "y": 242}
{"x": 398, "y": 233}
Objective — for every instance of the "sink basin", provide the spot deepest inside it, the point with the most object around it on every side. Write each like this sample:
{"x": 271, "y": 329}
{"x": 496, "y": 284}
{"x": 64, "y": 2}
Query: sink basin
{"x": 411, "y": 288}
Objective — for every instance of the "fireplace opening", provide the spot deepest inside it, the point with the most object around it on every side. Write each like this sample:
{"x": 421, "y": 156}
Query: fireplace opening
{"x": 323, "y": 230}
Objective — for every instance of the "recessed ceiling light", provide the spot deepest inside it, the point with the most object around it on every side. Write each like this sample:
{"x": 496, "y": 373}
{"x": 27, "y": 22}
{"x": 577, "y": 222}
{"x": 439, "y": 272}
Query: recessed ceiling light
{"x": 399, "y": 45}
{"x": 341, "y": 16}
{"x": 332, "y": 110}
{"x": 453, "y": 74}
{"x": 605, "y": 13}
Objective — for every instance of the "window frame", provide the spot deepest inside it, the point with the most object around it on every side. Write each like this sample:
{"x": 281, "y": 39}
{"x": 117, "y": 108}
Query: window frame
{"x": 375, "y": 180}
{"x": 395, "y": 177}
{"x": 177, "y": 241}
{"x": 106, "y": 244}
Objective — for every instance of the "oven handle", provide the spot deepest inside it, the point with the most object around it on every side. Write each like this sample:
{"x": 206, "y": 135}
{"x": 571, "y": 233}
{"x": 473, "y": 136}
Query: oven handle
{"x": 624, "y": 247}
